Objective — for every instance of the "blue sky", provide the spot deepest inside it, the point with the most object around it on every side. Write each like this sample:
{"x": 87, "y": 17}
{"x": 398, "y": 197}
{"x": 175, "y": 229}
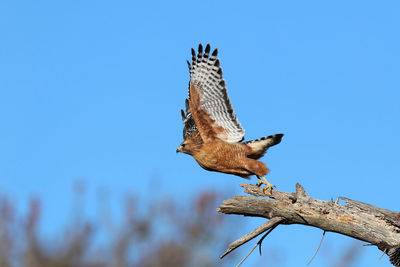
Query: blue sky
{"x": 91, "y": 91}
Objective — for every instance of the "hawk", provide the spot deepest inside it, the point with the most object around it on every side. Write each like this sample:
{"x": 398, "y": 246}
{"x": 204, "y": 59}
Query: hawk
{"x": 212, "y": 134}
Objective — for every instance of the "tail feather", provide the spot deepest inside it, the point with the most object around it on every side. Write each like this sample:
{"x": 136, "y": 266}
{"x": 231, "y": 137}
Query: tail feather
{"x": 259, "y": 146}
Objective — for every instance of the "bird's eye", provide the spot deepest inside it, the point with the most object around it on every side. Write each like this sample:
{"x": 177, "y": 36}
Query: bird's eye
{"x": 183, "y": 145}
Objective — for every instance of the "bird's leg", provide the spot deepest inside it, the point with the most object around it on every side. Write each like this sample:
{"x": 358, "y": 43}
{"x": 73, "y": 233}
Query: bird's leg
{"x": 262, "y": 180}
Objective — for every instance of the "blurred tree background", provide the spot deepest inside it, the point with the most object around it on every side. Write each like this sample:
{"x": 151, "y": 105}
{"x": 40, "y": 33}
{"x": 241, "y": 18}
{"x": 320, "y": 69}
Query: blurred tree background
{"x": 159, "y": 232}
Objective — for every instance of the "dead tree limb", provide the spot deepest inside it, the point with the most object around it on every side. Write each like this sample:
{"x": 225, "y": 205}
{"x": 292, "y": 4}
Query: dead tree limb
{"x": 376, "y": 226}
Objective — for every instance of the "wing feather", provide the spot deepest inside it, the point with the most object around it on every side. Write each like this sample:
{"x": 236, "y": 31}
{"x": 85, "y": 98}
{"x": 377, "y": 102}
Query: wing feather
{"x": 214, "y": 116}
{"x": 189, "y": 125}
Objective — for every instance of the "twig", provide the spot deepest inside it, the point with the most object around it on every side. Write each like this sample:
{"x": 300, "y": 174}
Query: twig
{"x": 383, "y": 253}
{"x": 259, "y": 230}
{"x": 267, "y": 233}
{"x": 315, "y": 254}
{"x": 248, "y": 254}
{"x": 258, "y": 244}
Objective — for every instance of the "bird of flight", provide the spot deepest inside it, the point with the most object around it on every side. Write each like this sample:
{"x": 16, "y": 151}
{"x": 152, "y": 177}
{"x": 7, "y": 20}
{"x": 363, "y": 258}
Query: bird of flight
{"x": 212, "y": 134}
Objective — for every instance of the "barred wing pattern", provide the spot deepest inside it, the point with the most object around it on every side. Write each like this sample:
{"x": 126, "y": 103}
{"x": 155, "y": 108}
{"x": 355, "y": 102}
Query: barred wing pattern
{"x": 189, "y": 125}
{"x": 206, "y": 79}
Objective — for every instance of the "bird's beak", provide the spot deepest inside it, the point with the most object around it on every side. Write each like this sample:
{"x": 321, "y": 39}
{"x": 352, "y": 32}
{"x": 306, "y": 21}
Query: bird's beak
{"x": 179, "y": 149}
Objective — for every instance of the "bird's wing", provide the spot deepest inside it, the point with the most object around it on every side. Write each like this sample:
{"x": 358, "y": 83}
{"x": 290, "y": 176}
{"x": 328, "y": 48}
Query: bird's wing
{"x": 209, "y": 102}
{"x": 189, "y": 126}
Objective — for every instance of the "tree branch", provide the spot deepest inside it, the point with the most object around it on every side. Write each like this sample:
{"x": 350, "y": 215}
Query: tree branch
{"x": 259, "y": 230}
{"x": 377, "y": 226}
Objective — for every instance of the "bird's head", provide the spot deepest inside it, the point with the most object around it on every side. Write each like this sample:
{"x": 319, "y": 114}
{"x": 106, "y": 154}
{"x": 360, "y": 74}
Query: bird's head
{"x": 189, "y": 146}
{"x": 184, "y": 147}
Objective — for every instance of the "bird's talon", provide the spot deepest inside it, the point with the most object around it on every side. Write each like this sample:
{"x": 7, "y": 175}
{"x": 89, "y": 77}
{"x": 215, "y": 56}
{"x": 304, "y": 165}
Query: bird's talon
{"x": 268, "y": 186}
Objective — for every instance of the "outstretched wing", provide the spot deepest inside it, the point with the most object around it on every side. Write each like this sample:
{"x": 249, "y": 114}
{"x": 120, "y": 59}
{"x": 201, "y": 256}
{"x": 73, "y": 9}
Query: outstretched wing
{"x": 209, "y": 102}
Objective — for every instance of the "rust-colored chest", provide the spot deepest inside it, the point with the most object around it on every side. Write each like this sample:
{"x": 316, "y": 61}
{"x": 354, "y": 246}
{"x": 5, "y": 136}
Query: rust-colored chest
{"x": 221, "y": 156}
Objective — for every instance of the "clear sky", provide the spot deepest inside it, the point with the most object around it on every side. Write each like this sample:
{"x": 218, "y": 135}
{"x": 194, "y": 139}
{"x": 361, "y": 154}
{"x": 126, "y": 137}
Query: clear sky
{"x": 91, "y": 90}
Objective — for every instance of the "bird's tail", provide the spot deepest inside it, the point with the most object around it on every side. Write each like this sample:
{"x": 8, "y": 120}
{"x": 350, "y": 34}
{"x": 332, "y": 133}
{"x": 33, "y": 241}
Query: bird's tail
{"x": 260, "y": 146}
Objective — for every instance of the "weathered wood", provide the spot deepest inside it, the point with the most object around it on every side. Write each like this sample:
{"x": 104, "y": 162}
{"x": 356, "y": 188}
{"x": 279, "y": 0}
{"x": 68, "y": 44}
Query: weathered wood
{"x": 359, "y": 220}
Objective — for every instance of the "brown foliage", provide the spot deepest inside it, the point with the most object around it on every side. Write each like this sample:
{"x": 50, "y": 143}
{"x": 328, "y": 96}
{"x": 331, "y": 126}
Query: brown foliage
{"x": 160, "y": 233}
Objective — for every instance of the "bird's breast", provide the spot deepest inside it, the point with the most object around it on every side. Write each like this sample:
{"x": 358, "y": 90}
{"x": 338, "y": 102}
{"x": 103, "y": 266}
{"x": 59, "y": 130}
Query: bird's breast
{"x": 219, "y": 155}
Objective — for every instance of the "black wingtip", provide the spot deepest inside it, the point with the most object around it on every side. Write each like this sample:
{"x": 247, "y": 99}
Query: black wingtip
{"x": 200, "y": 52}
{"x": 187, "y": 107}
{"x": 207, "y": 50}
{"x": 215, "y": 53}
{"x": 193, "y": 57}
{"x": 183, "y": 115}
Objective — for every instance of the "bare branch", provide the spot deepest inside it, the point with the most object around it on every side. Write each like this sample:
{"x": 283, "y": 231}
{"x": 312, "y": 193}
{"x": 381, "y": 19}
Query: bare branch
{"x": 244, "y": 239}
{"x": 355, "y": 219}
{"x": 258, "y": 244}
